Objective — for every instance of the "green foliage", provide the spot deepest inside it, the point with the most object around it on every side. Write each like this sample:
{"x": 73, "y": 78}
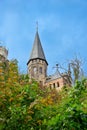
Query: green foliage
{"x": 72, "y": 112}
{"x": 25, "y": 105}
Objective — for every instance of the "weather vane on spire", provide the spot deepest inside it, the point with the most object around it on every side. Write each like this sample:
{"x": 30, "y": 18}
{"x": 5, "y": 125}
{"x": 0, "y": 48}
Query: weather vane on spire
{"x": 37, "y": 26}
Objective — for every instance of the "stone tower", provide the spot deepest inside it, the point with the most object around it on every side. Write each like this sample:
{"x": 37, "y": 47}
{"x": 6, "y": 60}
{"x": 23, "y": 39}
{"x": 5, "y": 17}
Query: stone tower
{"x": 3, "y": 53}
{"x": 37, "y": 64}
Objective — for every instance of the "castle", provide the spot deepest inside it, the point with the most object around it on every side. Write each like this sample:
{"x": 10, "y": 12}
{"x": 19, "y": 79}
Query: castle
{"x": 37, "y": 66}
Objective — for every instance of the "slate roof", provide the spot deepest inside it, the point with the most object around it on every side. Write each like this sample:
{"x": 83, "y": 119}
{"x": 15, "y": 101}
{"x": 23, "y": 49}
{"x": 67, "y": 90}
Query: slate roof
{"x": 53, "y": 77}
{"x": 37, "y": 50}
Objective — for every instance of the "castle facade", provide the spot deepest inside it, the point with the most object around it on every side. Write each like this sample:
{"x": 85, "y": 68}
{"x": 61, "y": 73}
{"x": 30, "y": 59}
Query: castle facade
{"x": 37, "y": 67}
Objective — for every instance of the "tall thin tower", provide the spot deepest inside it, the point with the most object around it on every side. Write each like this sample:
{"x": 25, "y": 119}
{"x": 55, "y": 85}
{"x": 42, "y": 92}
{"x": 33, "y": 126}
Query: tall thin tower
{"x": 37, "y": 64}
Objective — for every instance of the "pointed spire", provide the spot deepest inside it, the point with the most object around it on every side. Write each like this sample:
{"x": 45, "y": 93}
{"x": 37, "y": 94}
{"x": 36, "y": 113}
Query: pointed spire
{"x": 37, "y": 50}
{"x": 37, "y": 26}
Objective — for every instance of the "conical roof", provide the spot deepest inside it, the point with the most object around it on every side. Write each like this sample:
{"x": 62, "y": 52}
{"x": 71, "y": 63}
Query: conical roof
{"x": 37, "y": 50}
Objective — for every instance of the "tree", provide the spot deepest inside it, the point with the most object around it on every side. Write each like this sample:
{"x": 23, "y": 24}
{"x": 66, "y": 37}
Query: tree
{"x": 73, "y": 71}
{"x": 25, "y": 105}
{"x": 72, "y": 111}
{"x": 77, "y": 71}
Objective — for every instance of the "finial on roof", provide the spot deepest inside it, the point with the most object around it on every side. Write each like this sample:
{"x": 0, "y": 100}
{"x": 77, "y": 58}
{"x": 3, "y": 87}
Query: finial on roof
{"x": 57, "y": 66}
{"x": 37, "y": 26}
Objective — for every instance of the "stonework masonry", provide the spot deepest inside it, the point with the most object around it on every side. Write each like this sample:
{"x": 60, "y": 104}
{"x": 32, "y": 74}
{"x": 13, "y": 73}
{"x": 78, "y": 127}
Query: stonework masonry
{"x": 37, "y": 69}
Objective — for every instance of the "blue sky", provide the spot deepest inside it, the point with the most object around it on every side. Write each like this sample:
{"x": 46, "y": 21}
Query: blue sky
{"x": 62, "y": 29}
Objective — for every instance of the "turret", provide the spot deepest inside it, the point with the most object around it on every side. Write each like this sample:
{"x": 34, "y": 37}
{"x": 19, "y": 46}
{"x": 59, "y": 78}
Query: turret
{"x": 37, "y": 64}
{"x": 3, "y": 52}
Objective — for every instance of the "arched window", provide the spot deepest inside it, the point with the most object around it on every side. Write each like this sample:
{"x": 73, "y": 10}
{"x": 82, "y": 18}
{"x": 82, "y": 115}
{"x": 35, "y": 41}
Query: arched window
{"x": 58, "y": 84}
{"x": 40, "y": 70}
{"x": 35, "y": 70}
{"x": 54, "y": 85}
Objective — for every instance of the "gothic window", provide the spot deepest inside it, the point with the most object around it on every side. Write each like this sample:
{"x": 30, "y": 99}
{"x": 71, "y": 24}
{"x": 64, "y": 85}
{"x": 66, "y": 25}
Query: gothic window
{"x": 58, "y": 84}
{"x": 54, "y": 85}
{"x": 41, "y": 70}
{"x": 35, "y": 70}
